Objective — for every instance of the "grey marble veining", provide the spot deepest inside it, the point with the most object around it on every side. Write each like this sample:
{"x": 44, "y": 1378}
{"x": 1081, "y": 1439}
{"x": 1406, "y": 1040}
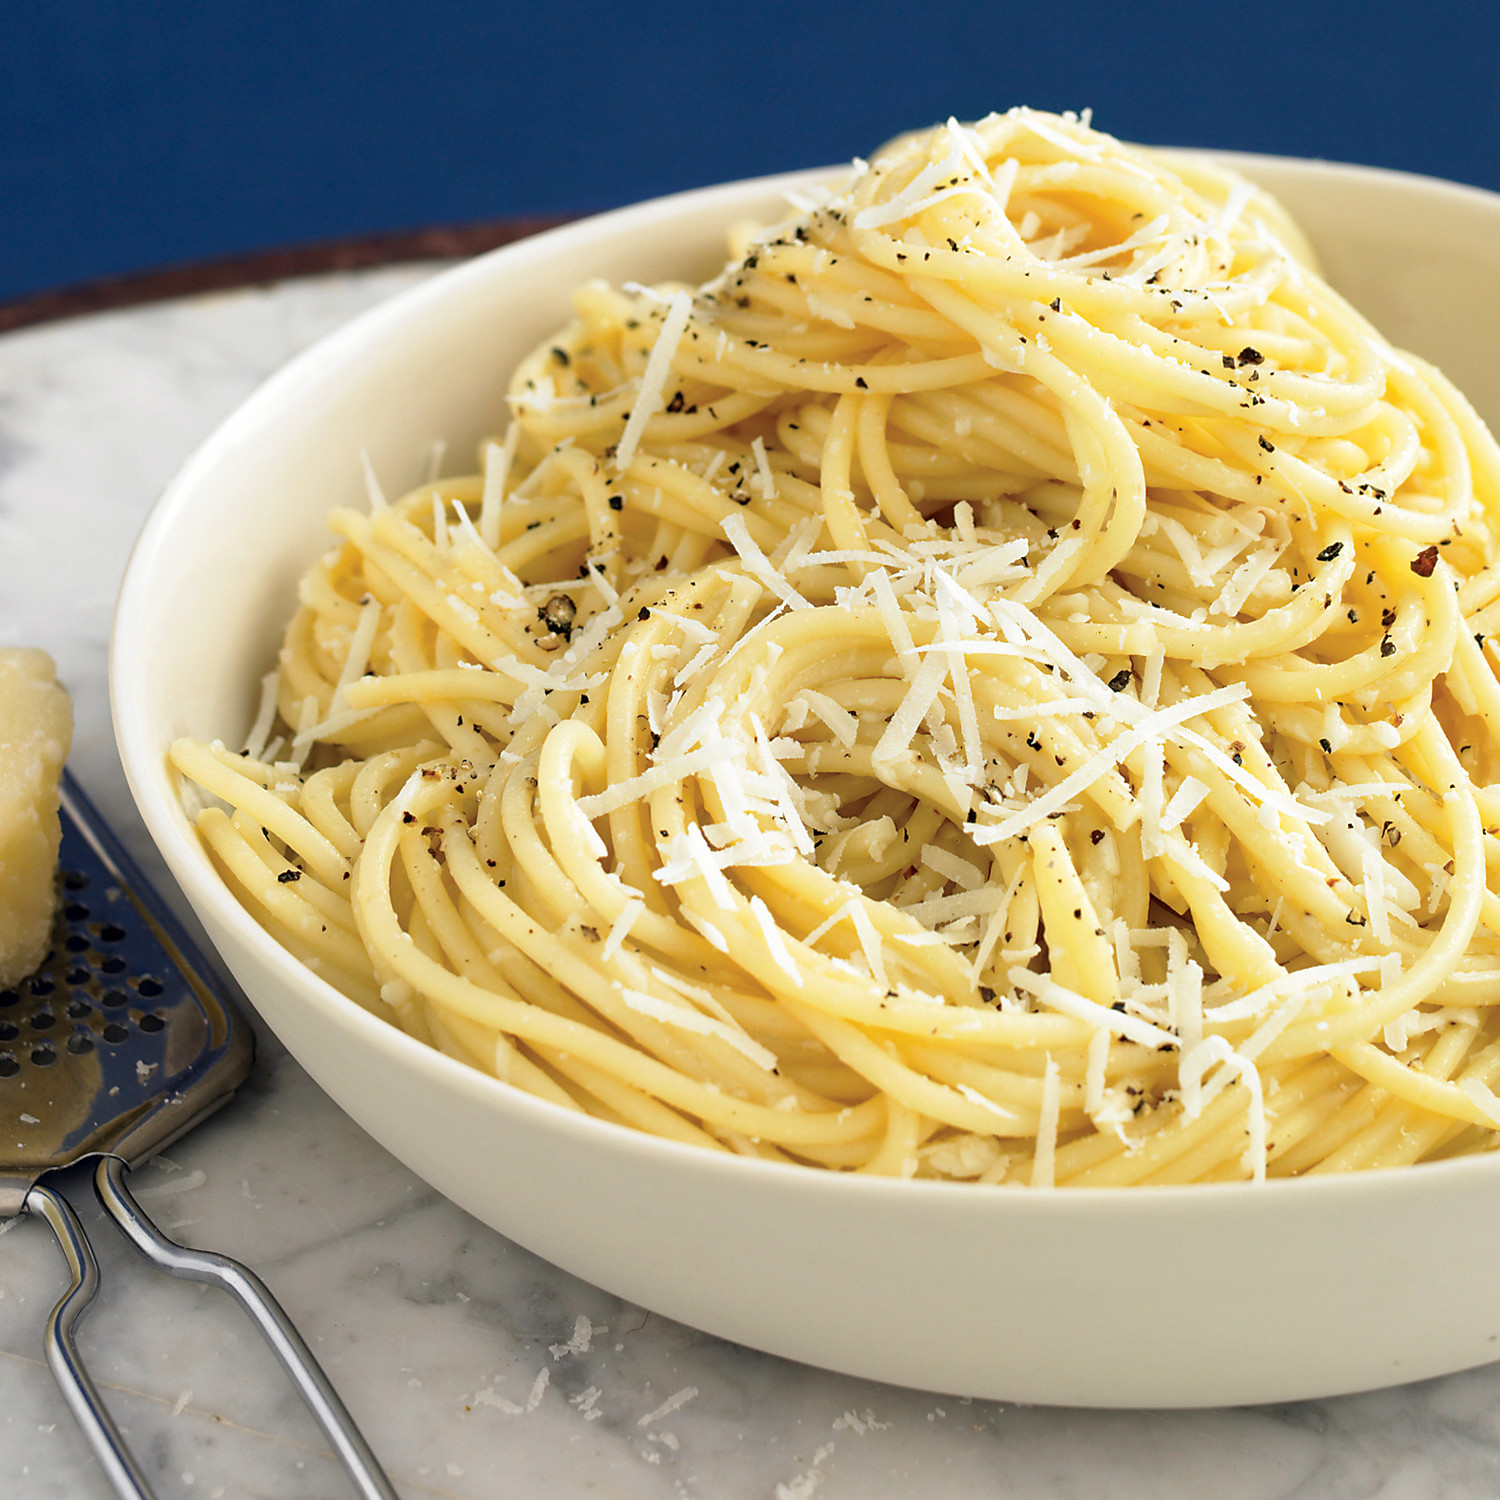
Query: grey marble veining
{"x": 476, "y": 1369}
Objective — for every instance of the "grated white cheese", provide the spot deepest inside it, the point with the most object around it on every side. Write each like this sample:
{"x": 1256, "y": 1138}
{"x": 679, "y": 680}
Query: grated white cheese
{"x": 255, "y": 741}
{"x": 376, "y": 495}
{"x": 1094, "y": 1074}
{"x": 650, "y": 397}
{"x": 498, "y": 458}
{"x": 1190, "y": 1072}
{"x": 757, "y": 564}
{"x": 684, "y": 1017}
{"x": 619, "y": 929}
{"x": 1046, "y": 1130}
{"x": 775, "y": 943}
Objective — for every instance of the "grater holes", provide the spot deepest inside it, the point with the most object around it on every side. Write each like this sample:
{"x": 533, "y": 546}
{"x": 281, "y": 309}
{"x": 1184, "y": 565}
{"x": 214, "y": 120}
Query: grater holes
{"x": 75, "y": 880}
{"x": 78, "y": 1008}
{"x": 43, "y": 1055}
{"x": 43, "y": 1020}
{"x": 114, "y": 998}
{"x": 149, "y": 986}
{"x": 151, "y": 1022}
{"x": 9, "y": 1067}
{"x": 76, "y": 942}
{"x": 8, "y": 997}
{"x": 80, "y": 1043}
{"x": 115, "y": 1032}
{"x": 76, "y": 911}
{"x": 42, "y": 984}
{"x": 113, "y": 964}
{"x": 9, "y": 1031}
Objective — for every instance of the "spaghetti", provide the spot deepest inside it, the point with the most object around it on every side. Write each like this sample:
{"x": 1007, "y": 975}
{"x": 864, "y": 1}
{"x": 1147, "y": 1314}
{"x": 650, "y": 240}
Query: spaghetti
{"x": 997, "y": 685}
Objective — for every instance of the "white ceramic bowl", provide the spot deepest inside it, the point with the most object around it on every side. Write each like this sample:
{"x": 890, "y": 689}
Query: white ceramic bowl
{"x": 1138, "y": 1297}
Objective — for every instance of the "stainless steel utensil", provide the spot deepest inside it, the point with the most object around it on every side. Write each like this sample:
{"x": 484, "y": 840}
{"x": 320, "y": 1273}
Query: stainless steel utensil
{"x": 119, "y": 1043}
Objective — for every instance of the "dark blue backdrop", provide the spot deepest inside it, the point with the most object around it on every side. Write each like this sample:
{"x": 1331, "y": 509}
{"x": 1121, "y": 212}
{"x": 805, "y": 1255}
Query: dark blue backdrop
{"x": 137, "y": 134}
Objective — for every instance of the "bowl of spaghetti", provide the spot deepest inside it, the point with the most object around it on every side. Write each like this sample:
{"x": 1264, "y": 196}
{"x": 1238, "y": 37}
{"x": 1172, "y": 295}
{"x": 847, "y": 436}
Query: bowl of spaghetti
{"x": 918, "y": 798}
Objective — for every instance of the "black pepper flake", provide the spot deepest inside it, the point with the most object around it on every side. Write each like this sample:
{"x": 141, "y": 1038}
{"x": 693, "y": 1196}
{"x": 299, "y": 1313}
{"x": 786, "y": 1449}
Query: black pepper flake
{"x": 1330, "y": 552}
{"x": 677, "y": 402}
{"x": 1388, "y": 618}
{"x": 1097, "y": 836}
{"x": 1120, "y": 681}
{"x": 986, "y": 994}
{"x": 1055, "y": 304}
{"x": 1032, "y": 742}
{"x": 561, "y": 355}
{"x": 1250, "y": 356}
{"x": 973, "y": 816}
{"x": 617, "y": 502}
{"x": 407, "y": 817}
{"x": 1424, "y": 562}
{"x": 288, "y": 876}
{"x": 1387, "y": 646}
{"x": 859, "y": 380}
{"x": 1267, "y": 444}
{"x": 1327, "y": 747}
{"x": 557, "y": 615}
{"x": 645, "y": 613}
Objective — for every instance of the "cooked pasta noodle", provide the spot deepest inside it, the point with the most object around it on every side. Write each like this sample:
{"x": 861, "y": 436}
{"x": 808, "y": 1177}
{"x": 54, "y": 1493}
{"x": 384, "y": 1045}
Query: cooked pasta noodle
{"x": 997, "y": 685}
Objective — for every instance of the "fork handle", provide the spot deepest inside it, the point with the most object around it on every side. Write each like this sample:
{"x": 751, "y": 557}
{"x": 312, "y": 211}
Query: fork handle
{"x": 62, "y": 1354}
{"x": 359, "y": 1462}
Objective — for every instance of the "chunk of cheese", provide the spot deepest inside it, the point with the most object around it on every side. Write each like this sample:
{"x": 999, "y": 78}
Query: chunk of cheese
{"x": 36, "y": 728}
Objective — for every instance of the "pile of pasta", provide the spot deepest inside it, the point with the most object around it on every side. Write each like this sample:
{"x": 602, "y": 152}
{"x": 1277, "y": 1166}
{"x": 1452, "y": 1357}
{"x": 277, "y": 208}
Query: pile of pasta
{"x": 997, "y": 685}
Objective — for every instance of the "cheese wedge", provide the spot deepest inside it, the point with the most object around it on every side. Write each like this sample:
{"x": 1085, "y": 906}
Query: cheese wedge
{"x": 36, "y": 728}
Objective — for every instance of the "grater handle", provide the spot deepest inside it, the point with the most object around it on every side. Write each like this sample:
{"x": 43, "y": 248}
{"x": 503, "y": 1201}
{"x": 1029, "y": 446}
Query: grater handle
{"x": 361, "y": 1465}
{"x": 62, "y": 1355}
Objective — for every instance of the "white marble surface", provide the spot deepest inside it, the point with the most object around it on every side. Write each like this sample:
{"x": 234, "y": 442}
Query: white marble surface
{"x": 476, "y": 1369}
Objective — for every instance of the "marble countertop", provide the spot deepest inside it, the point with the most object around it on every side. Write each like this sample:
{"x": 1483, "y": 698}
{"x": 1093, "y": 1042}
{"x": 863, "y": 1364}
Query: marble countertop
{"x": 476, "y": 1369}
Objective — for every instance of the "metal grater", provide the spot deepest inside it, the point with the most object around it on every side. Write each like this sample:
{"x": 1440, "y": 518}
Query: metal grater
{"x": 120, "y": 1042}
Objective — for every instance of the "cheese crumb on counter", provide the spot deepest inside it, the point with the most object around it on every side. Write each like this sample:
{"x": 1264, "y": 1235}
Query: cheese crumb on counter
{"x": 36, "y": 729}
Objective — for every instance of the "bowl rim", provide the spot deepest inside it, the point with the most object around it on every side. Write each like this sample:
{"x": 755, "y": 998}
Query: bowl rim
{"x": 152, "y": 783}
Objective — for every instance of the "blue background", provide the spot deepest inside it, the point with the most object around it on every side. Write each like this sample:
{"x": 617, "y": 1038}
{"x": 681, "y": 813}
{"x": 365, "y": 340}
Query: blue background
{"x": 137, "y": 135}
